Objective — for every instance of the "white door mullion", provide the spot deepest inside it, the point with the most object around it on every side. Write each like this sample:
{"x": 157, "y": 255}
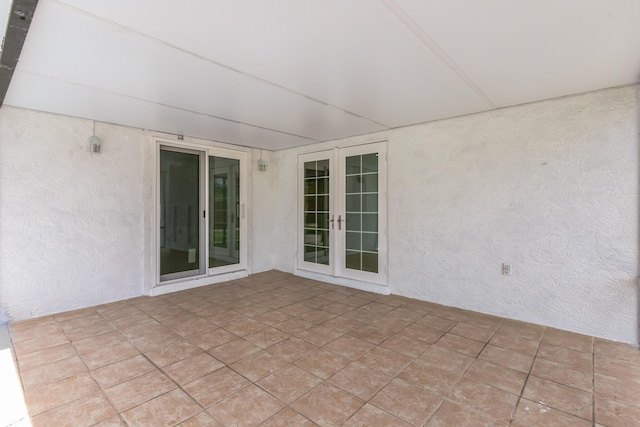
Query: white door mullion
{"x": 339, "y": 213}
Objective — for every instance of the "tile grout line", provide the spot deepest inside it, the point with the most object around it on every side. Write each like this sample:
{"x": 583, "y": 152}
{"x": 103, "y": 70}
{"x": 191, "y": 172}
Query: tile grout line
{"x": 593, "y": 382}
{"x": 379, "y": 345}
{"x": 444, "y": 398}
{"x": 351, "y": 360}
{"x": 486, "y": 344}
{"x": 81, "y": 360}
{"x": 325, "y": 380}
{"x": 216, "y": 325}
{"x": 179, "y": 386}
{"x": 183, "y": 303}
{"x": 118, "y": 413}
{"x": 558, "y": 383}
{"x": 368, "y": 401}
{"x": 141, "y": 353}
{"x": 286, "y": 405}
{"x": 524, "y": 385}
{"x": 77, "y": 354}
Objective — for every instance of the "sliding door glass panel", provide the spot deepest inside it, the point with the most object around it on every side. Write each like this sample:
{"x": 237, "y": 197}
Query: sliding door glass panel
{"x": 224, "y": 211}
{"x": 180, "y": 210}
{"x": 316, "y": 212}
{"x": 361, "y": 202}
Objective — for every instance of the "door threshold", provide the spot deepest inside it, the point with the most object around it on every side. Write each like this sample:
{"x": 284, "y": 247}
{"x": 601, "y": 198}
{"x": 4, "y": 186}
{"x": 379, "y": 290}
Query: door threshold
{"x": 342, "y": 281}
{"x": 181, "y": 285}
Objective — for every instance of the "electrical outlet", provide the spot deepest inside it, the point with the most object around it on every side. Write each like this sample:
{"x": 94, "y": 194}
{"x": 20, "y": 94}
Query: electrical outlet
{"x": 506, "y": 269}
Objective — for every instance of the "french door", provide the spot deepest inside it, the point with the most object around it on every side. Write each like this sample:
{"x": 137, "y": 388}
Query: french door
{"x": 342, "y": 213}
{"x": 201, "y": 203}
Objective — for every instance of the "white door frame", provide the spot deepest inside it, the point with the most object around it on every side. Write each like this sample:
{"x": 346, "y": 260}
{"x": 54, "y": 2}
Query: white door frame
{"x": 242, "y": 206}
{"x": 201, "y": 261}
{"x": 337, "y": 268}
{"x": 309, "y": 266}
{"x": 342, "y": 271}
{"x": 209, "y": 274}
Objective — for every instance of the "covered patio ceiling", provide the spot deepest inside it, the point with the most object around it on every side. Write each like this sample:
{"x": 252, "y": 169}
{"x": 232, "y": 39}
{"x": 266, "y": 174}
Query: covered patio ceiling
{"x": 286, "y": 73}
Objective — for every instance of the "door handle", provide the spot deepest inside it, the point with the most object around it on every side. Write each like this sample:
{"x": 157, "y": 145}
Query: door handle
{"x": 340, "y": 222}
{"x": 332, "y": 222}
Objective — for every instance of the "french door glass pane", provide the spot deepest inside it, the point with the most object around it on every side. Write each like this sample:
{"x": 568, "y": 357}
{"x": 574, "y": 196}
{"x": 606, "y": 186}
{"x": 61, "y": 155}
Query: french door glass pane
{"x": 179, "y": 213}
{"x": 224, "y": 211}
{"x": 316, "y": 212}
{"x": 361, "y": 201}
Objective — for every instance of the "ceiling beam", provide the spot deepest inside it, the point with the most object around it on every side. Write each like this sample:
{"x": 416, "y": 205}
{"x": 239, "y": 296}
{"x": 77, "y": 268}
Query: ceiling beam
{"x": 20, "y": 17}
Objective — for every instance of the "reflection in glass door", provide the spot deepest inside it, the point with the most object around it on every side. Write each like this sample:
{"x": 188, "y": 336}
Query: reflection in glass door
{"x": 180, "y": 219}
{"x": 224, "y": 208}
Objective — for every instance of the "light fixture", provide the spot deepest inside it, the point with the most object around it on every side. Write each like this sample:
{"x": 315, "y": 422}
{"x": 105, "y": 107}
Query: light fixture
{"x": 94, "y": 144}
{"x": 262, "y": 165}
{"x": 94, "y": 141}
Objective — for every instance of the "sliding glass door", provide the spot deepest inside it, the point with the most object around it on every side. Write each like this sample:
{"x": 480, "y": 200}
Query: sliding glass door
{"x": 224, "y": 209}
{"x": 202, "y": 224}
{"x": 342, "y": 213}
{"x": 181, "y": 196}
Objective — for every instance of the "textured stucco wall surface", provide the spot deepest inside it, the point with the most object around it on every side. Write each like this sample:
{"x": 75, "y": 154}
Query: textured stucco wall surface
{"x": 71, "y": 222}
{"x": 262, "y": 211}
{"x": 550, "y": 188}
{"x": 76, "y": 228}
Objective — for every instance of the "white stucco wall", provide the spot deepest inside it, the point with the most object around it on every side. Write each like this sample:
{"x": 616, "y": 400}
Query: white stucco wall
{"x": 71, "y": 222}
{"x": 76, "y": 229}
{"x": 264, "y": 210}
{"x": 550, "y": 188}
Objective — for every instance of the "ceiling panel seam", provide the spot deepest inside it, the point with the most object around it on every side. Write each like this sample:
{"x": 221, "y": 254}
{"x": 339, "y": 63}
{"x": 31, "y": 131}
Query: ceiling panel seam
{"x": 186, "y": 110}
{"x": 431, "y": 44}
{"x": 219, "y": 64}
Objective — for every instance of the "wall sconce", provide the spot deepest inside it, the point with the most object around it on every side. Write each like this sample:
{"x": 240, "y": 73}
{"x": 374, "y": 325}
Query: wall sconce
{"x": 94, "y": 144}
{"x": 262, "y": 165}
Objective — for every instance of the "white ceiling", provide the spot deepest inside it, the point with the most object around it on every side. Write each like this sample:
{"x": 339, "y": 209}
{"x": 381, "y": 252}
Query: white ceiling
{"x": 282, "y": 73}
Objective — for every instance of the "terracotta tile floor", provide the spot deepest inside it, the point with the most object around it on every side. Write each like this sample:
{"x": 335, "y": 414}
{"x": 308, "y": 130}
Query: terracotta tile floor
{"x": 278, "y": 350}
